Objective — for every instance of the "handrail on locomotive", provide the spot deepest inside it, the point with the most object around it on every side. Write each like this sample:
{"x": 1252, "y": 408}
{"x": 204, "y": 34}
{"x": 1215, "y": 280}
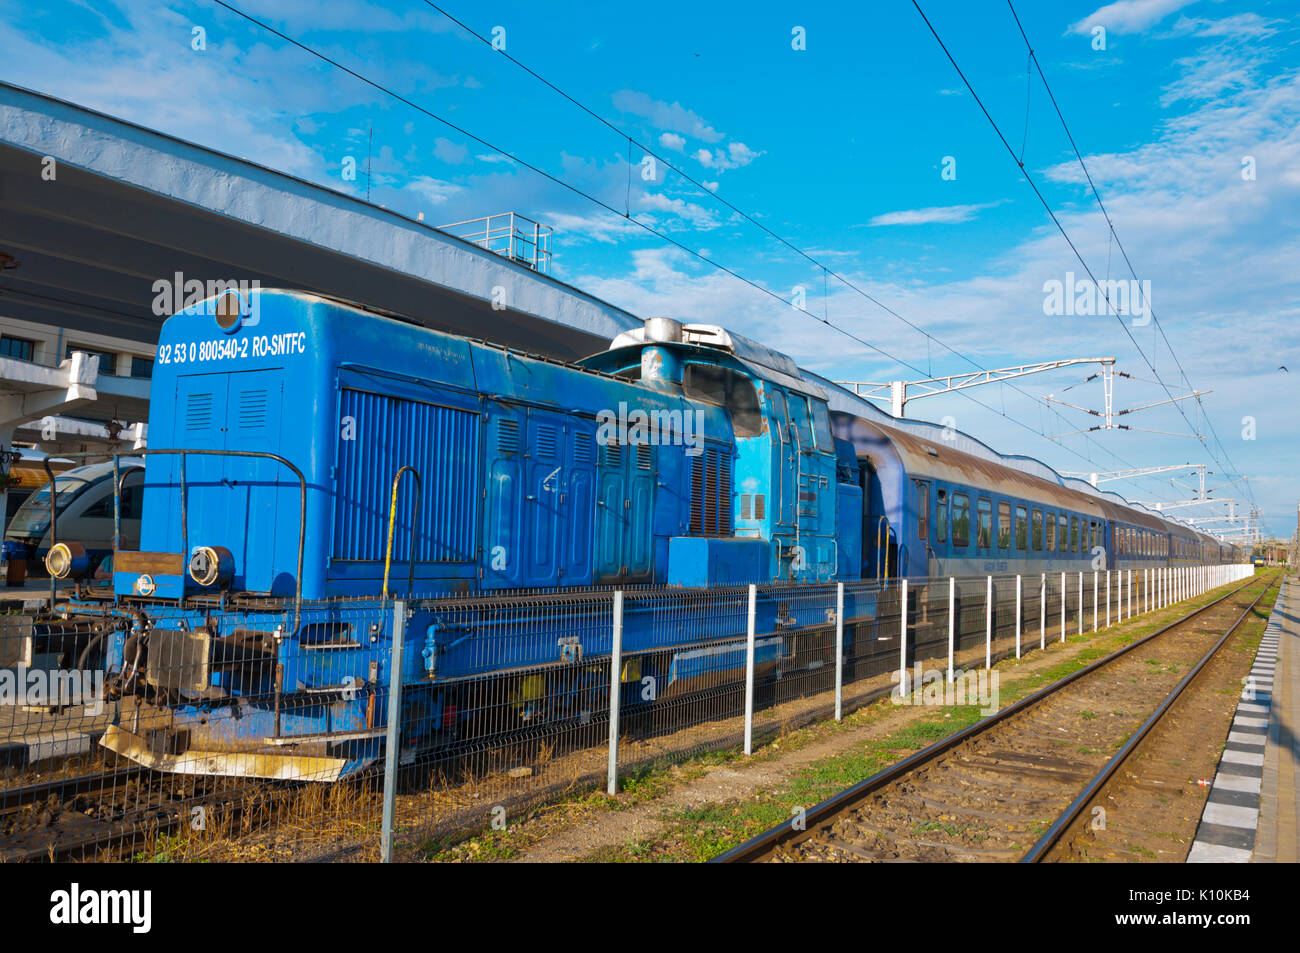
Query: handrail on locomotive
{"x": 415, "y": 522}
{"x": 117, "y": 505}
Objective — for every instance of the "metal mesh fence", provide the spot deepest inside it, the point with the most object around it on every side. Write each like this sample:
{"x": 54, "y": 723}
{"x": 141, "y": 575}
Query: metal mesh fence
{"x": 237, "y": 732}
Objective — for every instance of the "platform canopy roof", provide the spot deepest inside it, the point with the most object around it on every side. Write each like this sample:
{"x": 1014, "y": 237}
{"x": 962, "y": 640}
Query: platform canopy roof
{"x": 95, "y": 210}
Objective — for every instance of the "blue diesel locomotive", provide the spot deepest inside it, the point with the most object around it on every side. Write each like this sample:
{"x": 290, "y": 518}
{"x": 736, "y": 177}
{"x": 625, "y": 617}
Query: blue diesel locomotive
{"x": 311, "y": 458}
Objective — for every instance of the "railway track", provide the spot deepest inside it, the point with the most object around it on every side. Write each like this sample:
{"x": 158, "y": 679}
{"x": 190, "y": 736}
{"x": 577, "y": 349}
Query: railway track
{"x": 1009, "y": 787}
{"x": 76, "y": 818}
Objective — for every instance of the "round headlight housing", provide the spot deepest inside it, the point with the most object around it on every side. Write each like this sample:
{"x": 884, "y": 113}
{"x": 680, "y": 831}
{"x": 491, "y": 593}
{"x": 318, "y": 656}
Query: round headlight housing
{"x": 67, "y": 561}
{"x": 211, "y": 566}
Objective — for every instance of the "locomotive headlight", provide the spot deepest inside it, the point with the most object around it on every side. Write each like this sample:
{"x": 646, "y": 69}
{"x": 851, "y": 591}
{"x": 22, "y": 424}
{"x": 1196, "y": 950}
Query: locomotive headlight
{"x": 67, "y": 561}
{"x": 211, "y": 566}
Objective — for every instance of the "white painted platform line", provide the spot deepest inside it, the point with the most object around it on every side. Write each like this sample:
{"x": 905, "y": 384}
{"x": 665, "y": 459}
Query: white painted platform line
{"x": 1226, "y": 834}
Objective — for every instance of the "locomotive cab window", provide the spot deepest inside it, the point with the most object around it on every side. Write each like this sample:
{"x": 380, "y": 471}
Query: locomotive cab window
{"x": 780, "y": 415}
{"x": 801, "y": 421}
{"x": 822, "y": 426}
{"x": 723, "y": 386}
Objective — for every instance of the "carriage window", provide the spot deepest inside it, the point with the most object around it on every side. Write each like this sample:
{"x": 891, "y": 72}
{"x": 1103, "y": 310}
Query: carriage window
{"x": 1074, "y": 534}
{"x": 1004, "y": 525}
{"x": 1038, "y": 530}
{"x": 1051, "y": 532}
{"x": 822, "y": 426}
{"x": 941, "y": 515}
{"x": 960, "y": 520}
{"x": 922, "y": 508}
{"x": 1022, "y": 528}
{"x": 721, "y": 385}
{"x": 1063, "y": 535}
{"x": 984, "y": 523}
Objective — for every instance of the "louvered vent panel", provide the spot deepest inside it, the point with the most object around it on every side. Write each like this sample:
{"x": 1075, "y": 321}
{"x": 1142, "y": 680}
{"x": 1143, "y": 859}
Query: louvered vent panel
{"x": 711, "y": 493}
{"x": 252, "y": 408}
{"x": 507, "y": 436}
{"x": 198, "y": 412}
{"x": 547, "y": 443}
{"x": 583, "y": 448}
{"x": 442, "y": 444}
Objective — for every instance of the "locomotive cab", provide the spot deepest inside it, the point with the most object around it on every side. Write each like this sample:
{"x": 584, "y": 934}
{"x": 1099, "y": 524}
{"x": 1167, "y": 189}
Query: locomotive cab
{"x": 766, "y": 506}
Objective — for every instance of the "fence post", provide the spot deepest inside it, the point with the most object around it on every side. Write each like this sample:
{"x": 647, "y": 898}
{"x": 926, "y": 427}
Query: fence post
{"x": 839, "y": 651}
{"x": 1062, "y": 607}
{"x": 749, "y": 669}
{"x": 1018, "y": 605}
{"x": 615, "y": 691}
{"x": 1095, "y": 575}
{"x": 952, "y": 624}
{"x": 1108, "y": 592}
{"x": 988, "y": 625}
{"x": 1081, "y": 602}
{"x": 393, "y": 739}
{"x": 1042, "y": 612}
{"x": 902, "y": 642}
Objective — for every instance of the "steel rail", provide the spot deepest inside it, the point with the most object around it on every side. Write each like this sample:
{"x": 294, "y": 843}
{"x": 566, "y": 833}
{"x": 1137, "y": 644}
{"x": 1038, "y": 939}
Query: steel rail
{"x": 1044, "y": 844}
{"x": 16, "y": 798}
{"x": 764, "y": 842}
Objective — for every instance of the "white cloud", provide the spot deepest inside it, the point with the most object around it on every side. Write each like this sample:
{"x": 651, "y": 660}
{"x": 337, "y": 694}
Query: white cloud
{"x": 699, "y": 217}
{"x": 600, "y": 227}
{"x": 737, "y": 154}
{"x": 936, "y": 215}
{"x": 1239, "y": 26}
{"x": 670, "y": 140}
{"x": 434, "y": 190}
{"x": 1128, "y": 16}
{"x": 673, "y": 118}
{"x": 453, "y": 153}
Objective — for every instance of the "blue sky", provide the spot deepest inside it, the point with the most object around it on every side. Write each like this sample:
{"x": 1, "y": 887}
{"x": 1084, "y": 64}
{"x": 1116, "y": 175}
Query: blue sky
{"x": 839, "y": 148}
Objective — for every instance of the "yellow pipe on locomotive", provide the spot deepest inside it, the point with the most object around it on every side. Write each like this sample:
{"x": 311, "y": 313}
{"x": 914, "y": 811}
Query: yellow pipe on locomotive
{"x": 392, "y": 520}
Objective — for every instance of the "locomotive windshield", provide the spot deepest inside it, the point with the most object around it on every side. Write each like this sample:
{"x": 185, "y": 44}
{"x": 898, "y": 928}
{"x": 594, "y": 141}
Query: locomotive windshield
{"x": 720, "y": 385}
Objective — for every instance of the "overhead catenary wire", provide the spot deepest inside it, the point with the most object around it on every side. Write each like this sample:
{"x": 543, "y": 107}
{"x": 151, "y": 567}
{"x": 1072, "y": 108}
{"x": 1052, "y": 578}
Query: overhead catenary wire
{"x": 1052, "y": 212}
{"x": 712, "y": 193}
{"x": 1114, "y": 235}
{"x": 379, "y": 87}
